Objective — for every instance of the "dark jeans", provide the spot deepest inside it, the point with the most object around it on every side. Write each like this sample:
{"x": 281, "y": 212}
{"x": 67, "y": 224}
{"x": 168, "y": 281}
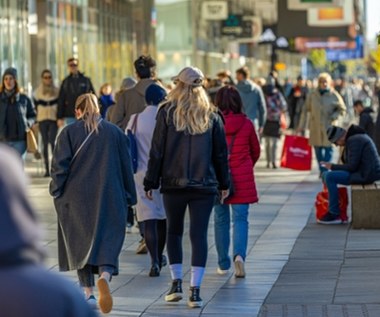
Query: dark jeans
{"x": 48, "y": 130}
{"x": 200, "y": 206}
{"x": 86, "y": 274}
{"x": 332, "y": 179}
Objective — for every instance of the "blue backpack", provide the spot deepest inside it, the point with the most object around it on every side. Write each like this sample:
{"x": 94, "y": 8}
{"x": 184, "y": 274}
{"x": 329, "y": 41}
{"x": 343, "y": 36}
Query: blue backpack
{"x": 133, "y": 144}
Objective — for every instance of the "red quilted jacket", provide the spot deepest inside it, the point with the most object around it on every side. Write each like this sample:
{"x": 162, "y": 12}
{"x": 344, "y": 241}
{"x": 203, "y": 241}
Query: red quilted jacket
{"x": 243, "y": 156}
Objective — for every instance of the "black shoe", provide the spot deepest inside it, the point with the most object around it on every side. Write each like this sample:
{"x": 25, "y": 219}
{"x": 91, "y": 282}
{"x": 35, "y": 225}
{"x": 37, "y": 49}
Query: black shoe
{"x": 194, "y": 300}
{"x": 268, "y": 165}
{"x": 175, "y": 293}
{"x": 330, "y": 219}
{"x": 154, "y": 270}
{"x": 164, "y": 261}
{"x": 274, "y": 165}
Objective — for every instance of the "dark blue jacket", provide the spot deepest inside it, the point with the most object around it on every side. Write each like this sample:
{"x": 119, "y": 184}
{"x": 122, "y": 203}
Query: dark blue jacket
{"x": 26, "y": 114}
{"x": 359, "y": 157}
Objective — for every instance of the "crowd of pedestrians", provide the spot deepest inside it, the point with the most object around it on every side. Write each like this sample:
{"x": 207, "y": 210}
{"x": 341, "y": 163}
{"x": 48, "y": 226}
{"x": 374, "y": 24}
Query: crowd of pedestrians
{"x": 197, "y": 144}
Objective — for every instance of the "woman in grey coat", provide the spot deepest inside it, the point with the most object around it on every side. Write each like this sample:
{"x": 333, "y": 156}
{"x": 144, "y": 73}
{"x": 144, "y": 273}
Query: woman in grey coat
{"x": 92, "y": 185}
{"x": 28, "y": 289}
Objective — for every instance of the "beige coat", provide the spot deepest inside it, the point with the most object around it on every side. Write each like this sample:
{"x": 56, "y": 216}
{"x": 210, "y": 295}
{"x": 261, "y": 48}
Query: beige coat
{"x": 319, "y": 112}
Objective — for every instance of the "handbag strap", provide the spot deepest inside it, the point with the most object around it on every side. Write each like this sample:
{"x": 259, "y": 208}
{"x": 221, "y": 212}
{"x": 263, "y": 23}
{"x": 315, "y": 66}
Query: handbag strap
{"x": 134, "y": 123}
{"x": 83, "y": 143}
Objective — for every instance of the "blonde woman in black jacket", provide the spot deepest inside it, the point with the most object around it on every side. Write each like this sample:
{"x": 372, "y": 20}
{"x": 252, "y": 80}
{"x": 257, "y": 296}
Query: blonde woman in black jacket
{"x": 188, "y": 160}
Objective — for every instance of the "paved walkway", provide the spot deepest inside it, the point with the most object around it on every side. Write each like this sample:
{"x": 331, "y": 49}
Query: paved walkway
{"x": 294, "y": 266}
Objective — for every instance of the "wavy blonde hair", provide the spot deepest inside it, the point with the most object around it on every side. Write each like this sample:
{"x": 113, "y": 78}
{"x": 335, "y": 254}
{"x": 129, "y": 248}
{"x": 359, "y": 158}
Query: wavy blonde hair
{"x": 192, "y": 108}
{"x": 88, "y": 104}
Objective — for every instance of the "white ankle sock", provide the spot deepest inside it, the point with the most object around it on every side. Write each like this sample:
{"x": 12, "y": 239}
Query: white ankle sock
{"x": 176, "y": 271}
{"x": 197, "y": 273}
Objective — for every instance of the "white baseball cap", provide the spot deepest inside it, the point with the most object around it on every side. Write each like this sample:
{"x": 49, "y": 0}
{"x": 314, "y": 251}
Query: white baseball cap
{"x": 191, "y": 76}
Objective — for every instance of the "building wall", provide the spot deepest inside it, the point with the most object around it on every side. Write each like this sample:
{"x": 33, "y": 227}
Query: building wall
{"x": 106, "y": 36}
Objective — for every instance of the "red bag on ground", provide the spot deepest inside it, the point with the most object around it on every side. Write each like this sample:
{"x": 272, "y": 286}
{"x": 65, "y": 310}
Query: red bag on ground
{"x": 322, "y": 203}
{"x": 296, "y": 153}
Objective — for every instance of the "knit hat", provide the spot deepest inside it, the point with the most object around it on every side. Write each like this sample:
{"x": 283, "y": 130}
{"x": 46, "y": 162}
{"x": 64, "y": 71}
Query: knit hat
{"x": 154, "y": 94}
{"x": 334, "y": 133}
{"x": 191, "y": 76}
{"x": 10, "y": 71}
{"x": 128, "y": 82}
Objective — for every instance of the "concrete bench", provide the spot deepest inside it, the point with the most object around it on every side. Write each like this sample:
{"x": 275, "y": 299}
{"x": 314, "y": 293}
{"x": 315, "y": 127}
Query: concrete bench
{"x": 366, "y": 206}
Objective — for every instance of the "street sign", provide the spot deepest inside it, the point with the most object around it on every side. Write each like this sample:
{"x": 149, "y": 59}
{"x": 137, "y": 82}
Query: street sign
{"x": 214, "y": 10}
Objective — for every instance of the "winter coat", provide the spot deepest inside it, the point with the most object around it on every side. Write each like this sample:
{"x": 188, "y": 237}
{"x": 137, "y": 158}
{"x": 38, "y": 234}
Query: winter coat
{"x": 92, "y": 194}
{"x": 71, "y": 88}
{"x": 26, "y": 116}
{"x": 46, "y": 105}
{"x": 366, "y": 122}
{"x": 28, "y": 289}
{"x": 359, "y": 157}
{"x": 146, "y": 209}
{"x": 243, "y": 156}
{"x": 323, "y": 110}
{"x": 296, "y": 102}
{"x": 181, "y": 161}
{"x": 253, "y": 101}
{"x": 130, "y": 101}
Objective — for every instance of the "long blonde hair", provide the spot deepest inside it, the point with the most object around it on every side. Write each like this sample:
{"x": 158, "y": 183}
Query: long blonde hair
{"x": 192, "y": 108}
{"x": 88, "y": 104}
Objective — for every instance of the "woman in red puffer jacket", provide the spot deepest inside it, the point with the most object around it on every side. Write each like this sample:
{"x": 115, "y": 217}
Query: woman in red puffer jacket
{"x": 244, "y": 151}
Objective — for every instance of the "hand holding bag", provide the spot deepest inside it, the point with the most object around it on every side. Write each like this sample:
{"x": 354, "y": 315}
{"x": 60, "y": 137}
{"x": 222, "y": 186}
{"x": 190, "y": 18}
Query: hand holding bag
{"x": 31, "y": 142}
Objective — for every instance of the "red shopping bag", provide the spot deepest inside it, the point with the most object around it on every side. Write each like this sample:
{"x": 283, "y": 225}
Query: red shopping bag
{"x": 322, "y": 203}
{"x": 296, "y": 153}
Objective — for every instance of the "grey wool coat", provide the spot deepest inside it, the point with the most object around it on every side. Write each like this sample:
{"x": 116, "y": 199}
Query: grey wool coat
{"x": 92, "y": 195}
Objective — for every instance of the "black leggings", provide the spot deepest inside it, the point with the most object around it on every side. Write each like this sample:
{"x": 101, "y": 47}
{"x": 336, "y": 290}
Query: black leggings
{"x": 155, "y": 238}
{"x": 200, "y": 207}
{"x": 48, "y": 130}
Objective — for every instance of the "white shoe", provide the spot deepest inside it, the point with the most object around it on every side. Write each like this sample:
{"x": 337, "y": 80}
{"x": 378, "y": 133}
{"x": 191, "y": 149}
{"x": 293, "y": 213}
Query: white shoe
{"x": 222, "y": 272}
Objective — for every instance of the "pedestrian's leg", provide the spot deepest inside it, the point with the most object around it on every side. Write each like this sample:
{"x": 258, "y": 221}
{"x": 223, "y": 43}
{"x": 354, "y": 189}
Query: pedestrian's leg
{"x": 44, "y": 130}
{"x": 328, "y": 150}
{"x": 319, "y": 156}
{"x": 222, "y": 235}
{"x": 161, "y": 241}
{"x": 105, "y": 297}
{"x": 332, "y": 179}
{"x": 87, "y": 282}
{"x": 240, "y": 237}
{"x": 267, "y": 150}
{"x": 274, "y": 151}
{"x": 151, "y": 241}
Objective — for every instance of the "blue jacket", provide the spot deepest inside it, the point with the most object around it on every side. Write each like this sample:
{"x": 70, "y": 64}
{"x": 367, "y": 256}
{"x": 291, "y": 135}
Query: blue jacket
{"x": 253, "y": 101}
{"x": 359, "y": 157}
{"x": 26, "y": 114}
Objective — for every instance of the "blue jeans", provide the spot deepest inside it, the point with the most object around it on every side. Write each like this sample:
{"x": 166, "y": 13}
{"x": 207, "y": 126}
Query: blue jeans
{"x": 19, "y": 146}
{"x": 332, "y": 179}
{"x": 222, "y": 232}
{"x": 323, "y": 154}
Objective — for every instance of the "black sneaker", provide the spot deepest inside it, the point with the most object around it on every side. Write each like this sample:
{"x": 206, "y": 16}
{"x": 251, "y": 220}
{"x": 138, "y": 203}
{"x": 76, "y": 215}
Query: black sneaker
{"x": 194, "y": 300}
{"x": 154, "y": 270}
{"x": 175, "y": 293}
{"x": 330, "y": 219}
{"x": 164, "y": 261}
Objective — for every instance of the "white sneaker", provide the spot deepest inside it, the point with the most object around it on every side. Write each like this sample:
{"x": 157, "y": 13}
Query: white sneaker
{"x": 239, "y": 267}
{"x": 222, "y": 272}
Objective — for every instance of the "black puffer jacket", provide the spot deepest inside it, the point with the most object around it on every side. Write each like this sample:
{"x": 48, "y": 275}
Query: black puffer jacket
{"x": 360, "y": 157}
{"x": 181, "y": 161}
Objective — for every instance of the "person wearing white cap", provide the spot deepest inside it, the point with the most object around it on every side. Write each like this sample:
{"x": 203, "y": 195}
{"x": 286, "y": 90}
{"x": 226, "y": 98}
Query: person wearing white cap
{"x": 188, "y": 159}
{"x": 361, "y": 165}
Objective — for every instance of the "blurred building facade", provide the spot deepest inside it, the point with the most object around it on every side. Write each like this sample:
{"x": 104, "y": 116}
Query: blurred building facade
{"x": 106, "y": 36}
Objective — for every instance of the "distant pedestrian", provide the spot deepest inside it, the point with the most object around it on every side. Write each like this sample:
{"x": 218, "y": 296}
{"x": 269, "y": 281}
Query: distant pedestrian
{"x": 106, "y": 99}
{"x": 296, "y": 102}
{"x": 46, "y": 100}
{"x": 252, "y": 97}
{"x": 244, "y": 151}
{"x": 276, "y": 106}
{"x": 323, "y": 107}
{"x": 188, "y": 162}
{"x": 27, "y": 288}
{"x": 149, "y": 211}
{"x": 74, "y": 85}
{"x": 366, "y": 121}
{"x": 360, "y": 165}
{"x": 92, "y": 185}
{"x": 17, "y": 112}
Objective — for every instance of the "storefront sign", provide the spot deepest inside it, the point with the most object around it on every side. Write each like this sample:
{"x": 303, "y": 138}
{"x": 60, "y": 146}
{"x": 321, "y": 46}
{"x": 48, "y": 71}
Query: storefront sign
{"x": 214, "y": 10}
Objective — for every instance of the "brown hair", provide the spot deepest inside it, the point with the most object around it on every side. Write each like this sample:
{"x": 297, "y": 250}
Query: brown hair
{"x": 88, "y": 104}
{"x": 243, "y": 71}
{"x": 228, "y": 100}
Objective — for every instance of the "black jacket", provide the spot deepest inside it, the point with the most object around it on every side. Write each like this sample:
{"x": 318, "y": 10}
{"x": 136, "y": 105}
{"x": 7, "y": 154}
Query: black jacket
{"x": 359, "y": 157}
{"x": 180, "y": 161}
{"x": 72, "y": 87}
{"x": 366, "y": 122}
